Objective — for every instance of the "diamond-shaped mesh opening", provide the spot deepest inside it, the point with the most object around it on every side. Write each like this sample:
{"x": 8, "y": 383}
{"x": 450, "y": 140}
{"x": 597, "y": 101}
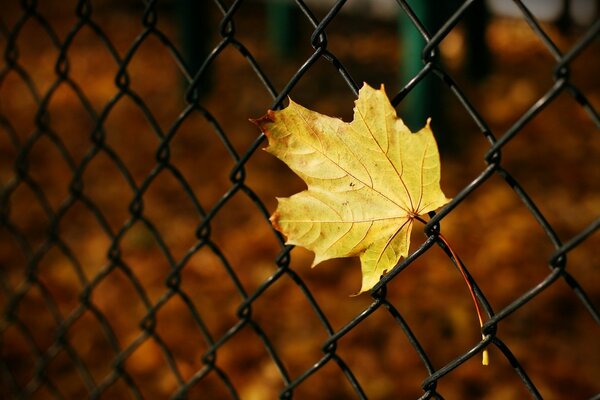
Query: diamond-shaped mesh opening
{"x": 137, "y": 256}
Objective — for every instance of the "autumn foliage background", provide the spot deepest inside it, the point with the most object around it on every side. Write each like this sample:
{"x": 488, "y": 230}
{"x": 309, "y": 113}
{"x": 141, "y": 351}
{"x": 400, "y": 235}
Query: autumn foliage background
{"x": 555, "y": 158}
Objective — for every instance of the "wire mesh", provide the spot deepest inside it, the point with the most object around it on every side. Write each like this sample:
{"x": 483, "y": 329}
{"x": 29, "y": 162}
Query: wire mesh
{"x": 128, "y": 217}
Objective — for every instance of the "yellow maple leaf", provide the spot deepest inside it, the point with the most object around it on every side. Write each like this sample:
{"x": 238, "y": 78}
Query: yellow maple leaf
{"x": 367, "y": 181}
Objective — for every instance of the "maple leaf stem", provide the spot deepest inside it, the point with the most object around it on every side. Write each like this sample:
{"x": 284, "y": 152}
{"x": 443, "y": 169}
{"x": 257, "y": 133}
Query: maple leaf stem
{"x": 463, "y": 272}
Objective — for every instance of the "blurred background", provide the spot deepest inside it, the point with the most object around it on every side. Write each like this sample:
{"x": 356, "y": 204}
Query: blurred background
{"x": 136, "y": 255}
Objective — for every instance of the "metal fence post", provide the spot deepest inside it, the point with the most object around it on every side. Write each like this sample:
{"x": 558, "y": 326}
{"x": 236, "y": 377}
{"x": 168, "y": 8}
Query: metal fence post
{"x": 421, "y": 103}
{"x": 195, "y": 38}
{"x": 280, "y": 25}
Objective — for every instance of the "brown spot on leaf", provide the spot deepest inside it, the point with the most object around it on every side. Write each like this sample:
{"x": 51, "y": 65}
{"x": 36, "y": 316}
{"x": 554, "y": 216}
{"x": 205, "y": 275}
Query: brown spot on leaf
{"x": 275, "y": 221}
{"x": 263, "y": 121}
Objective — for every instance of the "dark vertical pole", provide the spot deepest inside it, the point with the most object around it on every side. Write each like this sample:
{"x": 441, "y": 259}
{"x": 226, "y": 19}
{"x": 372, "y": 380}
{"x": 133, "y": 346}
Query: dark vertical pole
{"x": 479, "y": 60}
{"x": 417, "y": 105}
{"x": 195, "y": 37}
{"x": 280, "y": 25}
{"x": 564, "y": 21}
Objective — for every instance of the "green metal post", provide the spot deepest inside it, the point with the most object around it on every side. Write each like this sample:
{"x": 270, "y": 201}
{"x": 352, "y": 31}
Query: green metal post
{"x": 418, "y": 104}
{"x": 280, "y": 25}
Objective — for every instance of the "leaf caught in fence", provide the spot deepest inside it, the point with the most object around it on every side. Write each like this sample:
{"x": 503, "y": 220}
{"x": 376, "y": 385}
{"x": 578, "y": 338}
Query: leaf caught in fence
{"x": 367, "y": 181}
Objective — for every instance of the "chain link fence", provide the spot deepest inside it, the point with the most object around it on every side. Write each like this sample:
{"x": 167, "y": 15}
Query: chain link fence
{"x": 137, "y": 256}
